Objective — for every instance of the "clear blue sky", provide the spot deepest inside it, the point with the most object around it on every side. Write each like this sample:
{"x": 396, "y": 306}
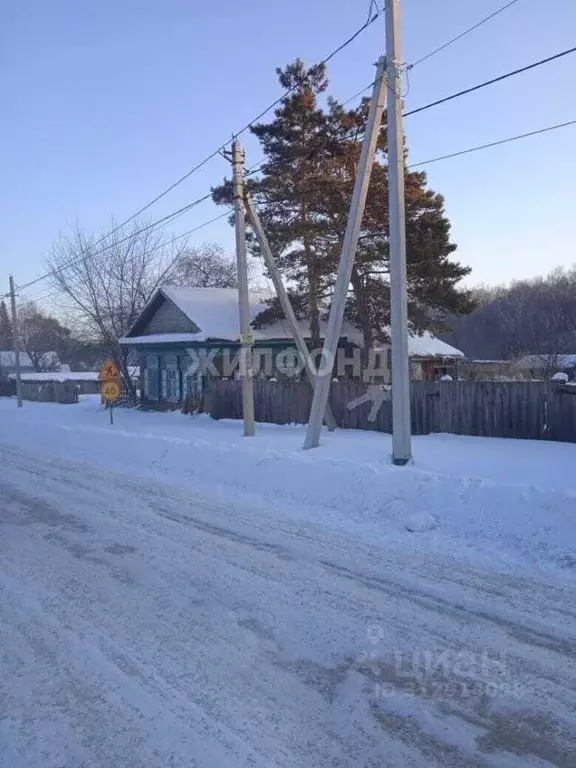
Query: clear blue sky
{"x": 107, "y": 102}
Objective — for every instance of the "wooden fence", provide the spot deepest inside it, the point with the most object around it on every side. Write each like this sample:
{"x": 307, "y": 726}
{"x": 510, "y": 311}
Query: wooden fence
{"x": 64, "y": 392}
{"x": 535, "y": 410}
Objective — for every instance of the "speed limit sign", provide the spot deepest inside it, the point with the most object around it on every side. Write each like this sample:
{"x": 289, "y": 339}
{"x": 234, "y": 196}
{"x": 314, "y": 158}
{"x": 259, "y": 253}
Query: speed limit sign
{"x": 110, "y": 390}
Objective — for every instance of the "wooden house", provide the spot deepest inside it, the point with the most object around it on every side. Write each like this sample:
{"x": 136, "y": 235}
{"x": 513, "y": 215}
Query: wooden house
{"x": 183, "y": 336}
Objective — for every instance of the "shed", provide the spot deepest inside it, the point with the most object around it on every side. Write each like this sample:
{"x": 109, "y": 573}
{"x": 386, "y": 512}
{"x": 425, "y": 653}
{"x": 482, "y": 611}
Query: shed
{"x": 86, "y": 382}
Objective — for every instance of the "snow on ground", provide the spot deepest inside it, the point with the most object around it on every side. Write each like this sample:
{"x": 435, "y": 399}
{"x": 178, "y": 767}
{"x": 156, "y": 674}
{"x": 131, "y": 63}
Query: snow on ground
{"x": 509, "y": 500}
{"x": 58, "y": 376}
{"x": 173, "y": 594}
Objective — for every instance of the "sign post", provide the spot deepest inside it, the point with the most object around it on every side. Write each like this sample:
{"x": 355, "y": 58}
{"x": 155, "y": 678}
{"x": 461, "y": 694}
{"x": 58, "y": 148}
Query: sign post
{"x": 110, "y": 389}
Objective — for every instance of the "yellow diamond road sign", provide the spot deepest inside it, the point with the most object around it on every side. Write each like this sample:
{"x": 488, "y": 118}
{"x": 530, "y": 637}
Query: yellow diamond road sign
{"x": 109, "y": 370}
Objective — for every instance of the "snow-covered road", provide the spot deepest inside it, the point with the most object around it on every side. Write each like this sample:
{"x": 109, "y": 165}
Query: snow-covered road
{"x": 144, "y": 626}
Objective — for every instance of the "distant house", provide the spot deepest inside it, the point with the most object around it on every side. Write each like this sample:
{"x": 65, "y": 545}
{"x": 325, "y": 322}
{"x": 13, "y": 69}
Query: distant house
{"x": 185, "y": 335}
{"x": 431, "y": 358}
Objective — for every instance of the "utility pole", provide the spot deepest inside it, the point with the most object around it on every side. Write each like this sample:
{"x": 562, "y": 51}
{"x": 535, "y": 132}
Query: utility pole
{"x": 16, "y": 343}
{"x": 401, "y": 438}
{"x": 285, "y": 302}
{"x": 347, "y": 258}
{"x": 246, "y": 337}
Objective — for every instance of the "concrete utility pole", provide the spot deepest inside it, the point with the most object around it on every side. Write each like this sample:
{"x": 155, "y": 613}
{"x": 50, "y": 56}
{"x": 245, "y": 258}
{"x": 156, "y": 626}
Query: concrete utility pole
{"x": 246, "y": 337}
{"x": 347, "y": 257}
{"x": 285, "y": 302}
{"x": 401, "y": 438}
{"x": 16, "y": 343}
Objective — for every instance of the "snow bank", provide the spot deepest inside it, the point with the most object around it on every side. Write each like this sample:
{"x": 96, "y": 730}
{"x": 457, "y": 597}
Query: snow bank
{"x": 507, "y": 501}
{"x": 59, "y": 376}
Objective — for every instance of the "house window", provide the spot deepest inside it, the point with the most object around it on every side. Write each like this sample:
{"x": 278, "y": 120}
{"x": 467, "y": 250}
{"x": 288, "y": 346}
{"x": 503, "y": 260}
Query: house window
{"x": 191, "y": 377}
{"x": 185, "y": 363}
{"x": 150, "y": 383}
{"x": 171, "y": 380}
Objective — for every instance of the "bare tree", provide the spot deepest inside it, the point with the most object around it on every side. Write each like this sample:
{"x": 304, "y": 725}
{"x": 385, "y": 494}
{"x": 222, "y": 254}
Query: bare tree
{"x": 43, "y": 338}
{"x": 536, "y": 317}
{"x": 107, "y": 285}
{"x": 206, "y": 266}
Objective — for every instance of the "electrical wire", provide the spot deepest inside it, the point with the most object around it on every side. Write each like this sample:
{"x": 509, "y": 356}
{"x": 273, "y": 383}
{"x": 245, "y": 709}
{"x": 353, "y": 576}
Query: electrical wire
{"x": 255, "y": 169}
{"x": 91, "y": 254}
{"x": 370, "y": 20}
{"x": 494, "y": 80}
{"x": 440, "y": 48}
{"x": 257, "y": 166}
{"x": 440, "y": 158}
{"x": 358, "y": 93}
{"x": 54, "y": 292}
{"x": 478, "y": 87}
{"x": 493, "y": 144}
{"x": 462, "y": 34}
{"x": 373, "y": 5}
{"x": 248, "y": 125}
{"x": 308, "y": 75}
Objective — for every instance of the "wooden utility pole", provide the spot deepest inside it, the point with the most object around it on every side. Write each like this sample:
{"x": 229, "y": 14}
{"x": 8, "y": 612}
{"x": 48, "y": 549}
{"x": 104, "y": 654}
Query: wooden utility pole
{"x": 285, "y": 302}
{"x": 246, "y": 336}
{"x": 16, "y": 343}
{"x": 347, "y": 258}
{"x": 401, "y": 438}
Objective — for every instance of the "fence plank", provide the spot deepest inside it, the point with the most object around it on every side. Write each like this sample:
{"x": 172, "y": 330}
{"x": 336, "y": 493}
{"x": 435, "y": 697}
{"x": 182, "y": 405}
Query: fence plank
{"x": 528, "y": 410}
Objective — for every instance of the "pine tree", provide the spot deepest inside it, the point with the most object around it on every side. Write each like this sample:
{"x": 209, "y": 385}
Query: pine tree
{"x": 432, "y": 277}
{"x": 303, "y": 196}
{"x": 6, "y": 339}
{"x": 290, "y": 186}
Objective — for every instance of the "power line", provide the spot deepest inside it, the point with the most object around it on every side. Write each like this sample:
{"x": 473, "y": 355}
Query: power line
{"x": 257, "y": 166}
{"x": 494, "y": 143}
{"x": 461, "y": 35}
{"x": 52, "y": 292}
{"x": 307, "y": 75}
{"x": 440, "y": 48}
{"x": 482, "y": 146}
{"x": 358, "y": 93}
{"x": 255, "y": 169}
{"x": 91, "y": 254}
{"x": 470, "y": 150}
{"x": 490, "y": 82}
{"x": 370, "y": 20}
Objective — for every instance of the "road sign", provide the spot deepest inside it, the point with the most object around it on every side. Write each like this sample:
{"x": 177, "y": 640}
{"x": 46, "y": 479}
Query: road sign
{"x": 110, "y": 390}
{"x": 109, "y": 370}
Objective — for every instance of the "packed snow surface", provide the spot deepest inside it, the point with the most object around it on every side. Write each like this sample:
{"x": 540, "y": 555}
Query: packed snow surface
{"x": 173, "y": 595}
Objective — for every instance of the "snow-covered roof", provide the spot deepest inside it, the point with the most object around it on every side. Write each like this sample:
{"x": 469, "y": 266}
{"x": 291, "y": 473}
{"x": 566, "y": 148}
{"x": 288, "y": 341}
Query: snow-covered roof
{"x": 59, "y": 376}
{"x": 428, "y": 345}
{"x": 215, "y": 312}
{"x": 489, "y": 362}
{"x": 67, "y": 375}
